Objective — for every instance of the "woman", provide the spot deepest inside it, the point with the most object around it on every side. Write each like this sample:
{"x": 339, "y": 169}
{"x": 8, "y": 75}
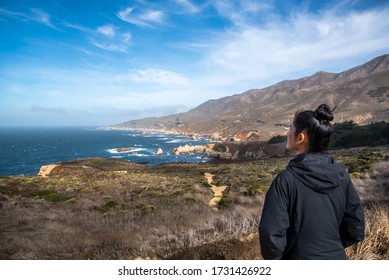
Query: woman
{"x": 312, "y": 210}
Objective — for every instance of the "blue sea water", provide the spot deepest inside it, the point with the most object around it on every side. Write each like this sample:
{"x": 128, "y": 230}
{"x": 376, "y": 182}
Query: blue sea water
{"x": 24, "y": 150}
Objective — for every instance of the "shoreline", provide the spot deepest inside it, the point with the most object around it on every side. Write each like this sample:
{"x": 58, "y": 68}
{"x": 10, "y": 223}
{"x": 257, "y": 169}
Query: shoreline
{"x": 214, "y": 137}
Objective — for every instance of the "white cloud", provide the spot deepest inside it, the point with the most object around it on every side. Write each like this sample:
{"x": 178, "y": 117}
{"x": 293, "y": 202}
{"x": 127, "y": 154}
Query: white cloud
{"x": 78, "y": 27}
{"x": 240, "y": 12}
{"x": 305, "y": 42}
{"x": 42, "y": 17}
{"x": 157, "y": 76}
{"x": 36, "y": 15}
{"x": 42, "y": 109}
{"x": 153, "y": 16}
{"x": 111, "y": 47}
{"x": 188, "y": 6}
{"x": 144, "y": 19}
{"x": 126, "y": 37}
{"x": 107, "y": 30}
{"x": 106, "y": 37}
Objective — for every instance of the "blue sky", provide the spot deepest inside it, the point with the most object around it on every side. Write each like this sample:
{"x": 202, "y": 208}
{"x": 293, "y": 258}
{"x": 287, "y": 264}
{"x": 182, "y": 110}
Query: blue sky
{"x": 100, "y": 62}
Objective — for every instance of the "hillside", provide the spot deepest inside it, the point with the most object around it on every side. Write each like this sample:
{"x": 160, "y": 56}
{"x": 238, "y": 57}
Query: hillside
{"x": 359, "y": 94}
{"x": 114, "y": 209}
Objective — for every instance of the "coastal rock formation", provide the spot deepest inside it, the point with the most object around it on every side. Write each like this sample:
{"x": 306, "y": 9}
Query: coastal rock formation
{"x": 125, "y": 149}
{"x": 236, "y": 150}
{"x": 244, "y": 150}
{"x": 46, "y": 170}
{"x": 158, "y": 152}
{"x": 189, "y": 149}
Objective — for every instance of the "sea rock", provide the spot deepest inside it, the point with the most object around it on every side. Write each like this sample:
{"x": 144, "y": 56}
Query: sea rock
{"x": 192, "y": 137}
{"x": 188, "y": 149}
{"x": 125, "y": 149}
{"x": 49, "y": 169}
{"x": 158, "y": 152}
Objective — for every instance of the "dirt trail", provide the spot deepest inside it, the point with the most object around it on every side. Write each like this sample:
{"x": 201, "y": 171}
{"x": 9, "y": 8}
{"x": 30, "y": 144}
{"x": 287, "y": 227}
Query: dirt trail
{"x": 217, "y": 192}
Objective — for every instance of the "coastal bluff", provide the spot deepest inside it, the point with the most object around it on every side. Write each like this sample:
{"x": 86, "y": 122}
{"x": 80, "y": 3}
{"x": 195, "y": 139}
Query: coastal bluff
{"x": 235, "y": 150}
{"x": 232, "y": 150}
{"x": 46, "y": 170}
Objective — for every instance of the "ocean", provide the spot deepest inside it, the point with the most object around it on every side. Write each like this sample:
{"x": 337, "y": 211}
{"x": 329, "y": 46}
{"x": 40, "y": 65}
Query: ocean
{"x": 24, "y": 150}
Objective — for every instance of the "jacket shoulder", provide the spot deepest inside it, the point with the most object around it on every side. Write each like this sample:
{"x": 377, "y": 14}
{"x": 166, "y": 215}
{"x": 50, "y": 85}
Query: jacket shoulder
{"x": 283, "y": 181}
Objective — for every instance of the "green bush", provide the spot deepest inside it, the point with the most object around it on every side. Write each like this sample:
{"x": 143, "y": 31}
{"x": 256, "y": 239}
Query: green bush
{"x": 277, "y": 139}
{"x": 224, "y": 202}
{"x": 350, "y": 135}
{"x": 50, "y": 195}
{"x": 361, "y": 163}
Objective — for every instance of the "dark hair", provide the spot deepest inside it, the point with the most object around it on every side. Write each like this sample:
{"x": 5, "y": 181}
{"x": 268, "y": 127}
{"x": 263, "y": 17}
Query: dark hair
{"x": 317, "y": 125}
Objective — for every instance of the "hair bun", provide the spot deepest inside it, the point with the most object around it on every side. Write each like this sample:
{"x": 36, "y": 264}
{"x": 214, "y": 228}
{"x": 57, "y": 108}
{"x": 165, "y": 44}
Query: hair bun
{"x": 323, "y": 113}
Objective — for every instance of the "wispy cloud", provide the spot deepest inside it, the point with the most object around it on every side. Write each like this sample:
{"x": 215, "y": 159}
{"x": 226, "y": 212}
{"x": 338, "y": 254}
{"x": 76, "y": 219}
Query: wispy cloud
{"x": 115, "y": 42}
{"x": 243, "y": 12}
{"x": 303, "y": 42}
{"x": 12, "y": 14}
{"x": 188, "y": 6}
{"x": 42, "y": 17}
{"x": 111, "y": 47}
{"x": 107, "y": 37}
{"x": 146, "y": 18}
{"x": 79, "y": 27}
{"x": 41, "y": 109}
{"x": 36, "y": 15}
{"x": 157, "y": 76}
{"x": 107, "y": 30}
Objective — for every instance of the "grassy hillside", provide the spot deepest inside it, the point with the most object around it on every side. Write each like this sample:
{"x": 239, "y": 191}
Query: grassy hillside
{"x": 112, "y": 209}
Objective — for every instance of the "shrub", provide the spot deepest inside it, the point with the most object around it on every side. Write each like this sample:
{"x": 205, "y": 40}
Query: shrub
{"x": 349, "y": 135}
{"x": 50, "y": 195}
{"x": 361, "y": 163}
{"x": 224, "y": 202}
{"x": 277, "y": 139}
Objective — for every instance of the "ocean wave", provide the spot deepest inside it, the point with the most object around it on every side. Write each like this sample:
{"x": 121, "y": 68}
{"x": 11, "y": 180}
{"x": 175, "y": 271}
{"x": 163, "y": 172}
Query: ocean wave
{"x": 139, "y": 155}
{"x": 117, "y": 156}
{"x": 114, "y": 151}
{"x": 176, "y": 141}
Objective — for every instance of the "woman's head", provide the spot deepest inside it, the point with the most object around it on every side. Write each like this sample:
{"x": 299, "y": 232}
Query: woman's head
{"x": 311, "y": 130}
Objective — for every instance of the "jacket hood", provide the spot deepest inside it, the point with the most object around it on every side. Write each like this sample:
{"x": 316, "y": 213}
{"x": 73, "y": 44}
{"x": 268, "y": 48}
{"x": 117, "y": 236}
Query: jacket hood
{"x": 317, "y": 171}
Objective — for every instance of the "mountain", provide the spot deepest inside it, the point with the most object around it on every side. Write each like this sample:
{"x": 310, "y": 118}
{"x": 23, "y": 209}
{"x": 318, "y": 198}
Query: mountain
{"x": 359, "y": 94}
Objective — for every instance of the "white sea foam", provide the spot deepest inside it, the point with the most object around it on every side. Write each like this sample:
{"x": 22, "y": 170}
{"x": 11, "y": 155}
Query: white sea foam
{"x": 139, "y": 155}
{"x": 175, "y": 141}
{"x": 115, "y": 151}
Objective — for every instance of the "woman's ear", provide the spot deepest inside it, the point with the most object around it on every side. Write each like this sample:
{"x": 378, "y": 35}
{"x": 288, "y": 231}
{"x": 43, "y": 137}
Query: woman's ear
{"x": 300, "y": 138}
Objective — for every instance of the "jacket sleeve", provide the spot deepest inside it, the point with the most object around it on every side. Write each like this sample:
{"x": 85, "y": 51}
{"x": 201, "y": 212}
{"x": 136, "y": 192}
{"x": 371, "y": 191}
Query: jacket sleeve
{"x": 352, "y": 227}
{"x": 274, "y": 220}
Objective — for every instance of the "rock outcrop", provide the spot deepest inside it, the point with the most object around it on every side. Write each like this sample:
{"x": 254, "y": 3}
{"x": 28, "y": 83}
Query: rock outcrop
{"x": 46, "y": 170}
{"x": 245, "y": 150}
{"x": 189, "y": 149}
{"x": 236, "y": 150}
{"x": 125, "y": 149}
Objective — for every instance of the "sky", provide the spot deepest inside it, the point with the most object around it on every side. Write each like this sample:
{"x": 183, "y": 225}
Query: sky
{"x": 102, "y": 62}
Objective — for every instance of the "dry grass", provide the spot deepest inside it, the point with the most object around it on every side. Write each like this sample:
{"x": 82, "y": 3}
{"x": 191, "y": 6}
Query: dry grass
{"x": 156, "y": 213}
{"x": 376, "y": 243}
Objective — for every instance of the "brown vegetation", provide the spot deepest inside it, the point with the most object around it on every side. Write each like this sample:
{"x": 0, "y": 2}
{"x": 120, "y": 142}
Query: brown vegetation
{"x": 111, "y": 209}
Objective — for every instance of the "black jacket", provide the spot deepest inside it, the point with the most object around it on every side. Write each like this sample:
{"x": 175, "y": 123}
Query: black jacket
{"x": 311, "y": 211}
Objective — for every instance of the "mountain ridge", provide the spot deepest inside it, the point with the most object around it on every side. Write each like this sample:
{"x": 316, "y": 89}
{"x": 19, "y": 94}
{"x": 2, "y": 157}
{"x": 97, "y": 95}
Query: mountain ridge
{"x": 359, "y": 94}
